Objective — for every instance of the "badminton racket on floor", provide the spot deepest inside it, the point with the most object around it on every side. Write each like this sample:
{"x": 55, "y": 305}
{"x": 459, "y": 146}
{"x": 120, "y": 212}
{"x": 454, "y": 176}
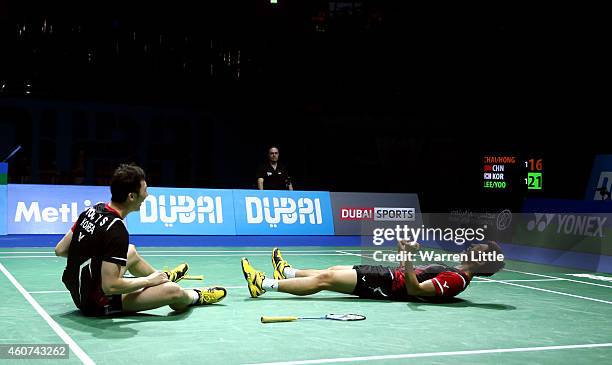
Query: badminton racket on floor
{"x": 334, "y": 317}
{"x": 193, "y": 277}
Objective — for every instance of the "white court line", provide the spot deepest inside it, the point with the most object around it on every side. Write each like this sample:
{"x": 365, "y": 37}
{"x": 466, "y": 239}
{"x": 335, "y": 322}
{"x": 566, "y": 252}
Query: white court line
{"x": 477, "y": 280}
{"x": 549, "y": 291}
{"x": 511, "y": 281}
{"x": 246, "y": 251}
{"x": 516, "y": 271}
{"x": 183, "y": 255}
{"x": 66, "y": 291}
{"x": 27, "y": 252}
{"x": 242, "y": 255}
{"x": 24, "y": 257}
{"x": 352, "y": 254}
{"x": 180, "y": 251}
{"x": 323, "y": 294}
{"x": 85, "y": 359}
{"x": 433, "y": 354}
{"x": 565, "y": 279}
{"x": 592, "y": 276}
{"x": 524, "y": 286}
{"x": 226, "y": 287}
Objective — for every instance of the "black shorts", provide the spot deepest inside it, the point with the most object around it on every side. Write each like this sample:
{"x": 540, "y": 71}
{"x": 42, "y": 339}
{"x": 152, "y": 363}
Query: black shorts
{"x": 373, "y": 282}
{"x": 90, "y": 298}
{"x": 100, "y": 304}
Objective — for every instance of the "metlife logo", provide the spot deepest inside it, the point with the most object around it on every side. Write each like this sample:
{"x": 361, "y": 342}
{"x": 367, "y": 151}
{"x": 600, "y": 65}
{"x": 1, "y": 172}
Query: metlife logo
{"x": 283, "y": 212}
{"x": 184, "y": 212}
{"x": 34, "y": 213}
{"x": 49, "y": 209}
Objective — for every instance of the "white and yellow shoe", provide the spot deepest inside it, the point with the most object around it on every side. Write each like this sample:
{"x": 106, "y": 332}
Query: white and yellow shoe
{"x": 279, "y": 264}
{"x": 210, "y": 295}
{"x": 175, "y": 275}
{"x": 253, "y": 277}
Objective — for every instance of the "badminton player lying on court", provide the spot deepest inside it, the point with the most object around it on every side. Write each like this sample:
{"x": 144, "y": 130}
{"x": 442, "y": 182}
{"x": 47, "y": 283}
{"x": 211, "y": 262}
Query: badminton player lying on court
{"x": 99, "y": 253}
{"x": 433, "y": 282}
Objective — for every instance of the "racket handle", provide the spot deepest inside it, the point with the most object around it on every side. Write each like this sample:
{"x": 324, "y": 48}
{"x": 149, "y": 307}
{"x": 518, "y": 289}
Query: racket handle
{"x": 278, "y": 319}
{"x": 193, "y": 277}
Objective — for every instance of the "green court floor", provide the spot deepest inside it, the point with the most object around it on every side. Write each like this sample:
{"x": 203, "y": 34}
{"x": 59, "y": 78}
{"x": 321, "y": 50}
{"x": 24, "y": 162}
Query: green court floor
{"x": 526, "y": 314}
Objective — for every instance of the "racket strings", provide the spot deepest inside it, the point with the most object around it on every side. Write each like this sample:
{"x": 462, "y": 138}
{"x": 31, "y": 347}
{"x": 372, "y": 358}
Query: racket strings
{"x": 346, "y": 317}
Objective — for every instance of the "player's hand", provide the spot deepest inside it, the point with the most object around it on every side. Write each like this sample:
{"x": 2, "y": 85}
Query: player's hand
{"x": 158, "y": 277}
{"x": 408, "y": 246}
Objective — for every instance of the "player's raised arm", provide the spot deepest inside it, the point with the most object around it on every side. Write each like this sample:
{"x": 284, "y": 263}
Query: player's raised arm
{"x": 413, "y": 287}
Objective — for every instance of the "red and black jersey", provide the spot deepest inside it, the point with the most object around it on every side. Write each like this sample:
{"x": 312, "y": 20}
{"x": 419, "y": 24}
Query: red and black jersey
{"x": 380, "y": 282}
{"x": 447, "y": 280}
{"x": 99, "y": 234}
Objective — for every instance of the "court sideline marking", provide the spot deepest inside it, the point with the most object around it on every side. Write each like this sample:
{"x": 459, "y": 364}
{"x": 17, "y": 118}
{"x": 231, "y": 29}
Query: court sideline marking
{"x": 337, "y": 253}
{"x": 66, "y": 291}
{"x": 514, "y": 280}
{"x": 519, "y": 285}
{"x": 195, "y": 251}
{"x": 549, "y": 291}
{"x": 432, "y": 354}
{"x": 548, "y": 276}
{"x": 85, "y": 359}
{"x": 183, "y": 255}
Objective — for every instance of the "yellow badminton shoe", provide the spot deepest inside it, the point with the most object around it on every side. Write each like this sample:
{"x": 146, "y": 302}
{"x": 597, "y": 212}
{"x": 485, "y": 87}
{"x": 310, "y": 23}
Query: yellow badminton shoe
{"x": 176, "y": 274}
{"x": 253, "y": 277}
{"x": 279, "y": 264}
{"x": 210, "y": 295}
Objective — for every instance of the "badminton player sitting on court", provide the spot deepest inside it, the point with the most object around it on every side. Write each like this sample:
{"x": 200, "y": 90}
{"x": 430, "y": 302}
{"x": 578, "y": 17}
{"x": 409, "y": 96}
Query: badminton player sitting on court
{"x": 432, "y": 282}
{"x": 99, "y": 253}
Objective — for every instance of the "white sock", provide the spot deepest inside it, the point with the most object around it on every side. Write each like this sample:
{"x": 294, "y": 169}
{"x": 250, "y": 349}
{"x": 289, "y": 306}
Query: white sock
{"x": 195, "y": 297}
{"x": 270, "y": 284}
{"x": 290, "y": 272}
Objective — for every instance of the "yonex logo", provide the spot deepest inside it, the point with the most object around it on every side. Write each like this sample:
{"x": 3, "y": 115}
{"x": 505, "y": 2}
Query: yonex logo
{"x": 285, "y": 210}
{"x": 182, "y": 208}
{"x": 569, "y": 224}
{"x": 541, "y": 221}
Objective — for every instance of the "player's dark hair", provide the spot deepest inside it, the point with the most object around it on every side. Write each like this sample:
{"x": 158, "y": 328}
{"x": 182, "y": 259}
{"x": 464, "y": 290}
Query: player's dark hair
{"x": 491, "y": 267}
{"x": 126, "y": 179}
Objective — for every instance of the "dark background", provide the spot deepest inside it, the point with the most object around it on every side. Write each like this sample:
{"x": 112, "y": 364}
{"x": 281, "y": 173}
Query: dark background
{"x": 369, "y": 96}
